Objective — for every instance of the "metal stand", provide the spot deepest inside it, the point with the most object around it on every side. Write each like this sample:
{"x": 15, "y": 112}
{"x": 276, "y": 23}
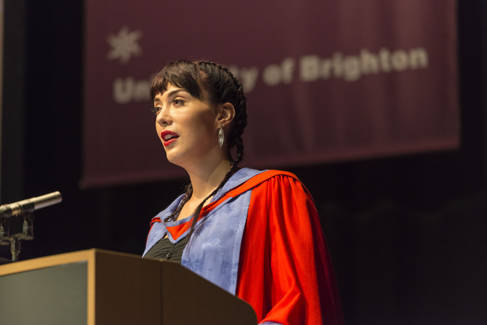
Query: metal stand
{"x": 13, "y": 229}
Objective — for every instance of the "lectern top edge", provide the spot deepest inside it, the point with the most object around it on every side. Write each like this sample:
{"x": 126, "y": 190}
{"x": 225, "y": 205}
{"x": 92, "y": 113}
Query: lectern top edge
{"x": 48, "y": 261}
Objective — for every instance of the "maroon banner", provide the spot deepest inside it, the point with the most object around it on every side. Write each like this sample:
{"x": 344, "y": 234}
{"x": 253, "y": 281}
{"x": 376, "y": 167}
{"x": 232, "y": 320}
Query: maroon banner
{"x": 325, "y": 80}
{"x": 1, "y": 74}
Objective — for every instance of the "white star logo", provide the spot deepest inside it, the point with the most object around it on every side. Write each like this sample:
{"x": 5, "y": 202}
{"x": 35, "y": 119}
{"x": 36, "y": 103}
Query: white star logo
{"x": 124, "y": 45}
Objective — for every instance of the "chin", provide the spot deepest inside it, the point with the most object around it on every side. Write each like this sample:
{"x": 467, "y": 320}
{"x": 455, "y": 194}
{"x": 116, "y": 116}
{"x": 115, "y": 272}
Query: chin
{"x": 174, "y": 159}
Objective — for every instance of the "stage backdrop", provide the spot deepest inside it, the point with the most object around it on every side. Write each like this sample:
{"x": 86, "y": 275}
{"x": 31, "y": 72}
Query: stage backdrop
{"x": 326, "y": 80}
{"x": 1, "y": 90}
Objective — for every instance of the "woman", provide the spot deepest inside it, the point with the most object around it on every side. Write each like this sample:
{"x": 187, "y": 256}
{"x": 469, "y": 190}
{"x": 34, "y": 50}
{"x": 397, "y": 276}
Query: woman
{"x": 254, "y": 233}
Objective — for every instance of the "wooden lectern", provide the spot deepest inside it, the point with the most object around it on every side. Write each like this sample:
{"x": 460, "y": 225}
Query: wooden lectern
{"x": 97, "y": 287}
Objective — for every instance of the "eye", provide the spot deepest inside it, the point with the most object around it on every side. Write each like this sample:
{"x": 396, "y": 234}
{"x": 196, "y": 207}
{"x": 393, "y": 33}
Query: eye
{"x": 178, "y": 102}
{"x": 155, "y": 110}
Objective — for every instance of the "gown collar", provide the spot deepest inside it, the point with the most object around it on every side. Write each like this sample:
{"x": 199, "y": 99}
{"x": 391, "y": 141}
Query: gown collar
{"x": 239, "y": 177}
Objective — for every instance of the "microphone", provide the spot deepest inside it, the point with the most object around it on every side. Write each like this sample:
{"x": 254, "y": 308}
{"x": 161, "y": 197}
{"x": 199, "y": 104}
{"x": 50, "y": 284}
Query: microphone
{"x": 29, "y": 205}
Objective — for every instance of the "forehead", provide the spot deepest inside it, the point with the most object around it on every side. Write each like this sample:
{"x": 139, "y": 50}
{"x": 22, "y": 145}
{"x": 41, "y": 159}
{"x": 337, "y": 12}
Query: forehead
{"x": 170, "y": 91}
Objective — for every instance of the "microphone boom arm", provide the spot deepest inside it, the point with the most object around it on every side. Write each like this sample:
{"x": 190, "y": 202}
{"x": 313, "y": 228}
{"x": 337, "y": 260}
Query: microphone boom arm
{"x": 17, "y": 220}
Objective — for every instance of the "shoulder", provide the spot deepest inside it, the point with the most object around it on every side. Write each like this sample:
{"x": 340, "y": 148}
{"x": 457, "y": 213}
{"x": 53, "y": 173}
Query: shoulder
{"x": 277, "y": 181}
{"x": 281, "y": 193}
{"x": 247, "y": 178}
{"x": 274, "y": 175}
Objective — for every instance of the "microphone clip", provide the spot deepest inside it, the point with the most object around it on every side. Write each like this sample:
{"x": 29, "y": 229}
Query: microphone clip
{"x": 15, "y": 228}
{"x": 17, "y": 220}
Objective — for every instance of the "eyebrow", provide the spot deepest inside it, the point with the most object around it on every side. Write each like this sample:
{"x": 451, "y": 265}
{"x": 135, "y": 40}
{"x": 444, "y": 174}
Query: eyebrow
{"x": 172, "y": 93}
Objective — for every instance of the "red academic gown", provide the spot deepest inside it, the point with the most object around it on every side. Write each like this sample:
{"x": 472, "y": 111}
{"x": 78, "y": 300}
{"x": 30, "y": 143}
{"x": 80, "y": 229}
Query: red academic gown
{"x": 285, "y": 272}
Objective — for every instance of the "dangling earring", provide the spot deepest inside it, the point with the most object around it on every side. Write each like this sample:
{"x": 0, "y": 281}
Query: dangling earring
{"x": 221, "y": 137}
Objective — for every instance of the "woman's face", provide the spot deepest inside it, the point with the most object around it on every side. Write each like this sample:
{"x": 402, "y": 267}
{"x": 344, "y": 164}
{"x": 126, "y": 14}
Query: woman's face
{"x": 187, "y": 126}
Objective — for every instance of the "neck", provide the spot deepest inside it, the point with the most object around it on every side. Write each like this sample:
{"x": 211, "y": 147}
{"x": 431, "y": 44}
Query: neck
{"x": 207, "y": 176}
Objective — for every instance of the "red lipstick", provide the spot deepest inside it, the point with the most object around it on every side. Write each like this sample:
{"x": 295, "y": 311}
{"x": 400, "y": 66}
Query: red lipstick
{"x": 168, "y": 137}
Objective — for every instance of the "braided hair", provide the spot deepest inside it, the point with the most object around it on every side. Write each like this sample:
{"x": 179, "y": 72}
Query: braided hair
{"x": 222, "y": 87}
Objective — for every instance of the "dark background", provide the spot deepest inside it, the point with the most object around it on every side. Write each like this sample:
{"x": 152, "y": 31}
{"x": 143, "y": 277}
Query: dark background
{"x": 406, "y": 233}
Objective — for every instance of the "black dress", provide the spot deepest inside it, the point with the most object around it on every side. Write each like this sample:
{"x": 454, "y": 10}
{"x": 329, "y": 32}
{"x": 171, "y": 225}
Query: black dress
{"x": 166, "y": 250}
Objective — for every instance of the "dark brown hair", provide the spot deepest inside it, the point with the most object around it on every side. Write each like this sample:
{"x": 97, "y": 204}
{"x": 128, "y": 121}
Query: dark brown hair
{"x": 220, "y": 85}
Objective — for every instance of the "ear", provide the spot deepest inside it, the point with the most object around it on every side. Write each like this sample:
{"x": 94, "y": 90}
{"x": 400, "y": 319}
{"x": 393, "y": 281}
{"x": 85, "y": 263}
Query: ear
{"x": 225, "y": 114}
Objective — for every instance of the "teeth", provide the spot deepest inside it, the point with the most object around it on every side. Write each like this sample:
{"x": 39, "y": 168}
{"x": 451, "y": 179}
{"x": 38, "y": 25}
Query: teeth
{"x": 169, "y": 137}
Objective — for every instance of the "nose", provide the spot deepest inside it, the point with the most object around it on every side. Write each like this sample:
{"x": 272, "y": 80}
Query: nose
{"x": 163, "y": 117}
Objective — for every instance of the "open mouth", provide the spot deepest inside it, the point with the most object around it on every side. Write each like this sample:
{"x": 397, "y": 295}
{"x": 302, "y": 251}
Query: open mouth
{"x": 168, "y": 137}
